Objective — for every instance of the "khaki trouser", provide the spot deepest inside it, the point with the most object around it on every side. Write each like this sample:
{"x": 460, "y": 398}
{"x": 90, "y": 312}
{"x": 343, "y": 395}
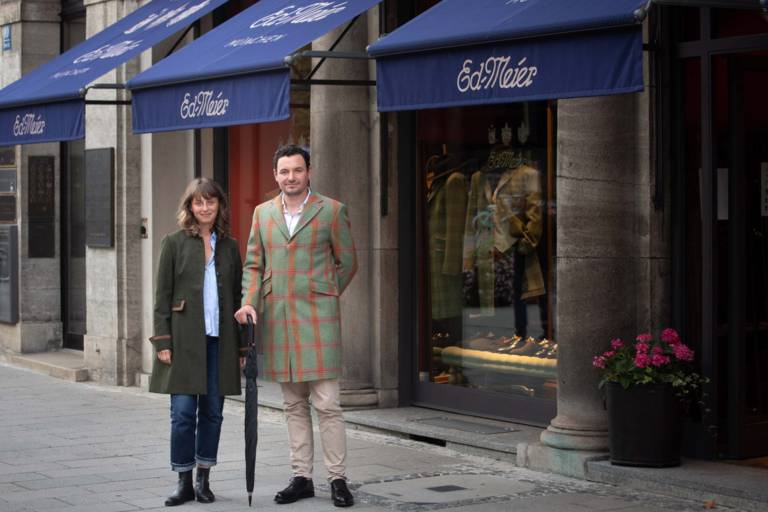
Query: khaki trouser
{"x": 325, "y": 399}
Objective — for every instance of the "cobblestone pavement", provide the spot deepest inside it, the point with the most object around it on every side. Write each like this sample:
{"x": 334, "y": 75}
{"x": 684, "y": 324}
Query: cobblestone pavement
{"x": 67, "y": 447}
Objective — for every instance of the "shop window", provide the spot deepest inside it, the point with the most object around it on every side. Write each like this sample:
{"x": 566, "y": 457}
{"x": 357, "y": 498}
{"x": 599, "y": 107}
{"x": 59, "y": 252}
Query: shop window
{"x": 738, "y": 22}
{"x": 487, "y": 230}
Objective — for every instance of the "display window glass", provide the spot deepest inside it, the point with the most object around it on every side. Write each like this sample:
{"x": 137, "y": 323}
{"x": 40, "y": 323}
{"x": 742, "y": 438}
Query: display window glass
{"x": 487, "y": 220}
{"x": 738, "y": 22}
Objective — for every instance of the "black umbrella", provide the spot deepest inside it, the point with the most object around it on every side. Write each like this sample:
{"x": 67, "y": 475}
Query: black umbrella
{"x": 251, "y": 433}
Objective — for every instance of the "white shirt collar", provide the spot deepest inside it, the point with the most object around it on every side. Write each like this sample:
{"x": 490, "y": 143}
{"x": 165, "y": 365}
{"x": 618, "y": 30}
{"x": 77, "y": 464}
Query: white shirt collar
{"x": 303, "y": 203}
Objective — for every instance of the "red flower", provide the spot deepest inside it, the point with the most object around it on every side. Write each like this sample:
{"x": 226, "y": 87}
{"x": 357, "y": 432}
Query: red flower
{"x": 642, "y": 348}
{"x": 659, "y": 360}
{"x": 598, "y": 362}
{"x": 644, "y": 338}
{"x": 682, "y": 352}
{"x": 642, "y": 360}
{"x": 670, "y": 336}
{"x": 616, "y": 343}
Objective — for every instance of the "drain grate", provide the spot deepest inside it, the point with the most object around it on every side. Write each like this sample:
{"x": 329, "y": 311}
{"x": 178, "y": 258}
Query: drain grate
{"x": 446, "y": 488}
{"x": 464, "y": 425}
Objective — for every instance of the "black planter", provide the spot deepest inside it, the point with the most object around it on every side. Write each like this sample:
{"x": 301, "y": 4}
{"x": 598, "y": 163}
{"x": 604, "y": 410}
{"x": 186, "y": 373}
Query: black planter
{"x": 645, "y": 425}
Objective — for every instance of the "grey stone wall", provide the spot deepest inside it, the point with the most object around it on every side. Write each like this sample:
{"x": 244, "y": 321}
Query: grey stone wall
{"x": 113, "y": 284}
{"x": 34, "y": 40}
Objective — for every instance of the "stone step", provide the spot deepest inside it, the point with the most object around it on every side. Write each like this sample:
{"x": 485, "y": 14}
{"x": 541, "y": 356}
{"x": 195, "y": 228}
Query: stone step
{"x": 731, "y": 485}
{"x": 63, "y": 364}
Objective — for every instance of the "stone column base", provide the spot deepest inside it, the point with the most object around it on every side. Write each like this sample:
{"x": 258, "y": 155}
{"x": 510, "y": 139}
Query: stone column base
{"x": 573, "y": 439}
{"x": 141, "y": 380}
{"x": 541, "y": 457}
{"x": 354, "y": 398}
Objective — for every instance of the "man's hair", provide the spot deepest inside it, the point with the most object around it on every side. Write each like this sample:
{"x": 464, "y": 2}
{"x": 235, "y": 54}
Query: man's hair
{"x": 290, "y": 150}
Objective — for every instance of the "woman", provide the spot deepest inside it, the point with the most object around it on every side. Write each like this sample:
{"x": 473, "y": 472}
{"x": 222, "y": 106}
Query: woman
{"x": 196, "y": 339}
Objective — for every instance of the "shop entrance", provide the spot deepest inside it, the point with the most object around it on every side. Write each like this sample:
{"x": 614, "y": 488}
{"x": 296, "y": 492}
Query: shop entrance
{"x": 741, "y": 129}
{"x": 73, "y": 204}
{"x": 722, "y": 228}
{"x": 73, "y": 244}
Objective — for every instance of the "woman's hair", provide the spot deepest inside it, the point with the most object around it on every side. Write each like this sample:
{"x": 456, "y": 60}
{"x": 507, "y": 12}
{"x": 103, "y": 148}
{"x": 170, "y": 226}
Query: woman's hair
{"x": 207, "y": 189}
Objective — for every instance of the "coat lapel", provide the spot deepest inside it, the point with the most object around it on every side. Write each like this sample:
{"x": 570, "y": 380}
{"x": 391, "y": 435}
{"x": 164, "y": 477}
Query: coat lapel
{"x": 312, "y": 208}
{"x": 279, "y": 217}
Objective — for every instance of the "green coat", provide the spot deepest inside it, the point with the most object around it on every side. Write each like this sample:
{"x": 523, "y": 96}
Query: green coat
{"x": 295, "y": 283}
{"x": 180, "y": 322}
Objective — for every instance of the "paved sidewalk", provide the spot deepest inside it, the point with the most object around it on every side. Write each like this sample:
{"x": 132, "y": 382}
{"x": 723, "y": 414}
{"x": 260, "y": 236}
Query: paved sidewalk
{"x": 67, "y": 447}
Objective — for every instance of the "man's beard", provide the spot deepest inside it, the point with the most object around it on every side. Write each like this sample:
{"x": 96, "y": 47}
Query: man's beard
{"x": 296, "y": 192}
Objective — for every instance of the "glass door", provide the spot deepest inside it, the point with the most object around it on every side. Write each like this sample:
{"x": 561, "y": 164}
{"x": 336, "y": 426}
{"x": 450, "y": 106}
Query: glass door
{"x": 73, "y": 244}
{"x": 741, "y": 129}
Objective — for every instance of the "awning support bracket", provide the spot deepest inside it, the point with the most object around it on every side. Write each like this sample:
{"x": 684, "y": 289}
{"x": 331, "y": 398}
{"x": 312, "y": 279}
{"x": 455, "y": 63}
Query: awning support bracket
{"x": 181, "y": 38}
{"x": 329, "y": 54}
{"x": 116, "y": 87}
{"x": 642, "y": 12}
{"x": 306, "y": 82}
{"x": 333, "y": 46}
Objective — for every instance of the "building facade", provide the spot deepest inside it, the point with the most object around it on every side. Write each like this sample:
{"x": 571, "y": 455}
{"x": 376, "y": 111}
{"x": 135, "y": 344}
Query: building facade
{"x": 500, "y": 246}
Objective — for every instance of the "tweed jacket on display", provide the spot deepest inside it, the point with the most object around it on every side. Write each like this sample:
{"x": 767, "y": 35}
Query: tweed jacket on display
{"x": 507, "y": 217}
{"x": 294, "y": 282}
{"x": 179, "y": 322}
{"x": 447, "y": 207}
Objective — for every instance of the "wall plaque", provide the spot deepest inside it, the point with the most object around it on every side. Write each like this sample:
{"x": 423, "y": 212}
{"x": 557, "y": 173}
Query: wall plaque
{"x": 99, "y": 197}
{"x": 41, "y": 206}
{"x": 7, "y": 208}
{"x": 7, "y": 156}
{"x": 9, "y": 274}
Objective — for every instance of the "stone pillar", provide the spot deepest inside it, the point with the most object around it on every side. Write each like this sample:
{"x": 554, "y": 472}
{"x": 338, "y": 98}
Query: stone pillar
{"x": 602, "y": 264}
{"x": 35, "y": 40}
{"x": 384, "y": 243}
{"x": 113, "y": 275}
{"x": 340, "y": 125}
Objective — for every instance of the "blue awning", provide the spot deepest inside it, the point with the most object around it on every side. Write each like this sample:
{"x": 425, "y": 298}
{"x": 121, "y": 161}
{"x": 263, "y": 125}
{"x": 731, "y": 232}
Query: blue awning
{"x": 236, "y": 73}
{"x": 499, "y": 51}
{"x": 47, "y": 104}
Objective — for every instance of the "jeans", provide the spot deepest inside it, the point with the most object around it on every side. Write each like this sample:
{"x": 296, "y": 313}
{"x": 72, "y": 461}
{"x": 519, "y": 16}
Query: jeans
{"x": 196, "y": 420}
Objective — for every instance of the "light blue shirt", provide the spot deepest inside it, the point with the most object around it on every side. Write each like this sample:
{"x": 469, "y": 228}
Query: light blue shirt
{"x": 211, "y": 293}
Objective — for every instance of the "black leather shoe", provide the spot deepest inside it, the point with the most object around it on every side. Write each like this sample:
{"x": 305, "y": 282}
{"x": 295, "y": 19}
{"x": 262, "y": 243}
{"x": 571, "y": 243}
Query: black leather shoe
{"x": 340, "y": 494}
{"x": 202, "y": 486}
{"x": 299, "y": 488}
{"x": 184, "y": 491}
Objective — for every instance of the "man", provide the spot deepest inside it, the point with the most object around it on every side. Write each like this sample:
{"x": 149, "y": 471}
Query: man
{"x": 299, "y": 260}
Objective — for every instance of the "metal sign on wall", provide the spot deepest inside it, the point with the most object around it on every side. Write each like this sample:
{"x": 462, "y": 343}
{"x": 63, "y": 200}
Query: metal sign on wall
{"x": 9, "y": 274}
{"x": 100, "y": 197}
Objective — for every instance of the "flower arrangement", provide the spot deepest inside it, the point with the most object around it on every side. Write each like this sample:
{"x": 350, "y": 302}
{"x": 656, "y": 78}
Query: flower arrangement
{"x": 666, "y": 360}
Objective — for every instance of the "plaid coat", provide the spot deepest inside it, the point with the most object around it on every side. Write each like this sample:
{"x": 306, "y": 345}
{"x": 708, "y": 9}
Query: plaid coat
{"x": 294, "y": 282}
